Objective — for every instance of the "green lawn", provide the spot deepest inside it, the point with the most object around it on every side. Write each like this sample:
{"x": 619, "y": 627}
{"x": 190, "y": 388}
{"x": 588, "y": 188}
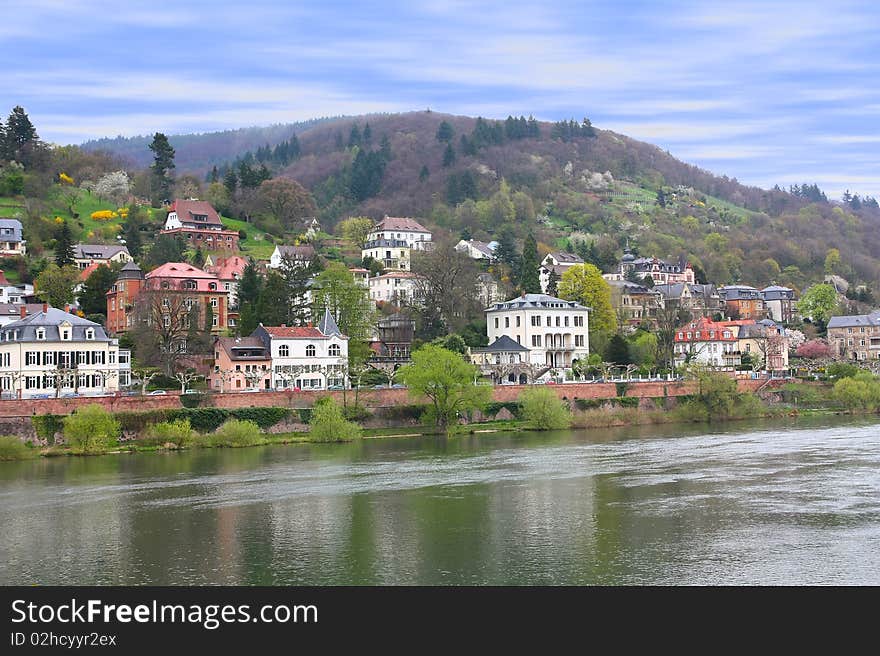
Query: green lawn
{"x": 255, "y": 245}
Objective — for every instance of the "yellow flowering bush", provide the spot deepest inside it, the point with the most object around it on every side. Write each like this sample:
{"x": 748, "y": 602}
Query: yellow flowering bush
{"x": 59, "y": 220}
{"x": 104, "y": 215}
{"x": 63, "y": 177}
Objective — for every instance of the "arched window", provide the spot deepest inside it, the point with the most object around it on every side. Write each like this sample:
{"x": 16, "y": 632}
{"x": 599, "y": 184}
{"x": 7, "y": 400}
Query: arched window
{"x": 310, "y": 351}
{"x": 212, "y": 286}
{"x": 335, "y": 350}
{"x": 284, "y": 350}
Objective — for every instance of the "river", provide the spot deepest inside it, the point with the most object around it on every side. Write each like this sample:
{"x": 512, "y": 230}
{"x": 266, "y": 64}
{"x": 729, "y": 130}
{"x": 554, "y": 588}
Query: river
{"x": 770, "y": 502}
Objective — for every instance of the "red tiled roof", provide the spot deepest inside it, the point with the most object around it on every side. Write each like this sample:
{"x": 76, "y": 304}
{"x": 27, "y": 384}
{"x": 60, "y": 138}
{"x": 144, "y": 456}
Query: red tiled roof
{"x": 400, "y": 223}
{"x": 705, "y": 327}
{"x": 228, "y": 268}
{"x": 85, "y": 273}
{"x": 3, "y": 281}
{"x": 179, "y": 271}
{"x": 296, "y": 332}
{"x": 186, "y": 208}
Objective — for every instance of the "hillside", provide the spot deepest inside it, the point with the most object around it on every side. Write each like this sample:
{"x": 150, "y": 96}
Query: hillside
{"x": 197, "y": 153}
{"x": 549, "y": 180}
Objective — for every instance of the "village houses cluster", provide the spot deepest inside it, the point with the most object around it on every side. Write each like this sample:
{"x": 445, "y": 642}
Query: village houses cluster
{"x": 46, "y": 351}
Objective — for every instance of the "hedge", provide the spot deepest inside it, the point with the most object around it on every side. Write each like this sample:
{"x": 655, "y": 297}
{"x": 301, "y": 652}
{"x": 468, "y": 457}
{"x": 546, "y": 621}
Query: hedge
{"x": 494, "y": 407}
{"x": 203, "y": 420}
{"x": 46, "y": 426}
{"x": 412, "y": 411}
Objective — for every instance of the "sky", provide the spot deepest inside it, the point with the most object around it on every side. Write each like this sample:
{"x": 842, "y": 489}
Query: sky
{"x": 766, "y": 92}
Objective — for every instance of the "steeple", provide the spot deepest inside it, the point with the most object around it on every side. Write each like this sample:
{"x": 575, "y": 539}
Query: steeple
{"x": 327, "y": 325}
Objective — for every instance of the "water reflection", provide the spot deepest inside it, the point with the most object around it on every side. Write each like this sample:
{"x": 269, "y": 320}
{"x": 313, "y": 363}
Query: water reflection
{"x": 782, "y": 503}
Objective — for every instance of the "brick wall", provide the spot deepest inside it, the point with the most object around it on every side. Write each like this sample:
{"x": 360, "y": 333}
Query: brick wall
{"x": 370, "y": 398}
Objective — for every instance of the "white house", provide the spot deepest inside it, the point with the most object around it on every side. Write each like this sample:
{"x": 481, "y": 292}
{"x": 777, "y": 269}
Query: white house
{"x": 11, "y": 241}
{"x": 559, "y": 263}
{"x": 398, "y": 287}
{"x": 87, "y": 254}
{"x": 556, "y": 332}
{"x": 298, "y": 255}
{"x": 478, "y": 250}
{"x": 306, "y": 357}
{"x": 392, "y": 241}
{"x": 10, "y": 293}
{"x": 55, "y": 353}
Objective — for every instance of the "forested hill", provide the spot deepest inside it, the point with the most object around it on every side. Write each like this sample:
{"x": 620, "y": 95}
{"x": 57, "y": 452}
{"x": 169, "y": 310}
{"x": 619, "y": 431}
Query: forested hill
{"x": 199, "y": 152}
{"x": 565, "y": 182}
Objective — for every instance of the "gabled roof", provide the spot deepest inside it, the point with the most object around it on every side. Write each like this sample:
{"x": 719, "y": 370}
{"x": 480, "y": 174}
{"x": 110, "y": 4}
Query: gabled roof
{"x": 306, "y": 252}
{"x": 565, "y": 258}
{"x": 89, "y": 270}
{"x": 187, "y": 209}
{"x": 51, "y": 319}
{"x": 98, "y": 251}
{"x": 294, "y": 332}
{"x": 536, "y": 301}
{"x": 237, "y": 347}
{"x": 228, "y": 268}
{"x": 180, "y": 271}
{"x": 855, "y": 320}
{"x": 400, "y": 223}
{"x": 15, "y": 224}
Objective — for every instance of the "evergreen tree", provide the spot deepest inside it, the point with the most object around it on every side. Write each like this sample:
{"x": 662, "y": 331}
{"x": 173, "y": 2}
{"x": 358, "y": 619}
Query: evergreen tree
{"x": 230, "y": 181}
{"x": 424, "y": 173}
{"x": 339, "y": 143}
{"x": 131, "y": 231}
{"x": 214, "y": 176}
{"x": 166, "y": 248}
{"x": 93, "y": 297}
{"x": 354, "y": 137}
{"x": 445, "y": 132}
{"x": 385, "y": 148}
{"x": 64, "y": 246}
{"x": 367, "y": 171}
{"x": 367, "y": 137}
{"x": 162, "y": 168}
{"x": 198, "y": 259}
{"x": 553, "y": 283}
{"x": 20, "y": 142}
{"x": 529, "y": 280}
{"x": 449, "y": 155}
{"x": 618, "y": 350}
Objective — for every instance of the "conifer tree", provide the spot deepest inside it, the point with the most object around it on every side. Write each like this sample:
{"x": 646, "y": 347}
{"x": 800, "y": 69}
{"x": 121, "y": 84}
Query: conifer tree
{"x": 529, "y": 280}
{"x": 162, "y": 167}
{"x": 64, "y": 246}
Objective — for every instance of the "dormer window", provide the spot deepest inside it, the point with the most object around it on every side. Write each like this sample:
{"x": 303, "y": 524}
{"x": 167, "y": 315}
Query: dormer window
{"x": 65, "y": 334}
{"x": 90, "y": 333}
{"x": 212, "y": 286}
{"x": 41, "y": 333}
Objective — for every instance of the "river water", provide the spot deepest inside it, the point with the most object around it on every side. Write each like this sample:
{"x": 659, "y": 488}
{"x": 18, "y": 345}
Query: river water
{"x": 781, "y": 502}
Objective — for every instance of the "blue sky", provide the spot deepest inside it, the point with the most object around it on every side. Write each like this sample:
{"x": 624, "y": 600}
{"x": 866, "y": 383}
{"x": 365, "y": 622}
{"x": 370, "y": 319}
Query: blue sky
{"x": 767, "y": 92}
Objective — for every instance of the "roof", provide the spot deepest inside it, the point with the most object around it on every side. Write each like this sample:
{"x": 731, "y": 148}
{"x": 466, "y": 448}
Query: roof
{"x": 486, "y": 249}
{"x": 503, "y": 344}
{"x": 98, "y": 251}
{"x": 566, "y": 258}
{"x": 675, "y": 290}
{"x": 705, "y": 327}
{"x": 187, "y": 209}
{"x": 228, "y": 268}
{"x": 238, "y": 347}
{"x": 327, "y": 325}
{"x": 631, "y": 287}
{"x": 737, "y": 292}
{"x": 14, "y": 309}
{"x": 855, "y": 320}
{"x": 51, "y": 319}
{"x": 130, "y": 270}
{"x": 306, "y": 252}
{"x": 181, "y": 271}
{"x": 535, "y": 301}
{"x": 89, "y": 270}
{"x": 15, "y": 224}
{"x": 397, "y": 274}
{"x": 358, "y": 270}
{"x": 389, "y": 243}
{"x": 294, "y": 332}
{"x": 400, "y": 223}
{"x": 3, "y": 281}
{"x": 776, "y": 293}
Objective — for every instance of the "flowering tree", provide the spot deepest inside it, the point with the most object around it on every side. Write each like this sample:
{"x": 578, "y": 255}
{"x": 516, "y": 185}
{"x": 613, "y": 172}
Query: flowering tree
{"x": 814, "y": 349}
{"x": 114, "y": 186}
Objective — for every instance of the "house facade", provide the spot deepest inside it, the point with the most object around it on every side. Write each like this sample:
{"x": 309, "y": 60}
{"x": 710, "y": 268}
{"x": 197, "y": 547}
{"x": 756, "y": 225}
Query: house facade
{"x": 306, "y": 357}
{"x": 504, "y": 360}
{"x": 555, "y": 332}
{"x": 558, "y": 262}
{"x": 396, "y": 287}
{"x": 121, "y": 298}
{"x": 295, "y": 255}
{"x": 765, "y": 342}
{"x": 392, "y": 241}
{"x": 779, "y": 302}
{"x": 660, "y": 271}
{"x": 855, "y": 337}
{"x": 696, "y": 298}
{"x": 11, "y": 241}
{"x": 477, "y": 250}
{"x": 198, "y": 223}
{"x": 228, "y": 270}
{"x": 85, "y": 255}
{"x": 54, "y": 353}
{"x": 240, "y": 363}
{"x": 713, "y": 343}
{"x": 634, "y": 304}
{"x": 743, "y": 302}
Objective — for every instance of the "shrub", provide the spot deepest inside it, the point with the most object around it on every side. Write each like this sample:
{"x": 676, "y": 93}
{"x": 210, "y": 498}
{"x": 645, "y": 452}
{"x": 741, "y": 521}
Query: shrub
{"x": 621, "y": 388}
{"x": 543, "y": 410}
{"x": 861, "y": 392}
{"x": 413, "y": 411}
{"x": 262, "y": 417}
{"x": 12, "y": 448}
{"x": 841, "y": 370}
{"x": 91, "y": 429}
{"x": 305, "y": 415}
{"x": 191, "y": 400}
{"x": 627, "y": 401}
{"x": 494, "y": 407}
{"x": 328, "y": 424}
{"x": 356, "y": 413}
{"x": 138, "y": 422}
{"x": 236, "y": 432}
{"x": 588, "y": 404}
{"x": 46, "y": 426}
{"x": 178, "y": 433}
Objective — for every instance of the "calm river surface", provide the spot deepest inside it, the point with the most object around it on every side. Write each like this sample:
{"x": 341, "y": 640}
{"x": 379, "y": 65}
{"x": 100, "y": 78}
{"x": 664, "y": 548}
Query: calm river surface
{"x": 782, "y": 502}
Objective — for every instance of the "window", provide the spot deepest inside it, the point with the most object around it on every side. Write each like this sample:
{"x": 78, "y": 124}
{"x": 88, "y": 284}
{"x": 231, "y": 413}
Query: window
{"x": 310, "y": 351}
{"x": 31, "y": 358}
{"x": 536, "y": 340}
{"x": 507, "y": 322}
{"x": 496, "y": 322}
{"x": 334, "y": 350}
{"x": 215, "y": 321}
{"x": 65, "y": 334}
{"x": 536, "y": 321}
{"x": 549, "y": 321}
{"x": 166, "y": 303}
{"x": 41, "y": 333}
{"x": 90, "y": 333}
{"x": 566, "y": 322}
{"x": 213, "y": 287}
{"x": 284, "y": 350}
{"x": 517, "y": 322}
{"x": 578, "y": 340}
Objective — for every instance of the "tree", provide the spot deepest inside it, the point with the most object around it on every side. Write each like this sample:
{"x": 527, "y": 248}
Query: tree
{"x": 445, "y": 133}
{"x": 448, "y": 382}
{"x": 584, "y": 283}
{"x": 163, "y": 320}
{"x": 618, "y": 350}
{"x": 328, "y": 423}
{"x": 643, "y": 349}
{"x": 166, "y": 248}
{"x": 813, "y": 349}
{"x": 529, "y": 279}
{"x": 93, "y": 297}
{"x": 91, "y": 429}
{"x": 832, "y": 260}
{"x": 818, "y": 303}
{"x": 542, "y": 409}
{"x": 365, "y": 177}
{"x": 424, "y": 173}
{"x": 21, "y": 142}
{"x": 219, "y": 197}
{"x": 286, "y": 201}
{"x": 553, "y": 283}
{"x": 131, "y": 230}
{"x": 114, "y": 186}
{"x": 355, "y": 229}
{"x": 185, "y": 378}
{"x": 336, "y": 290}
{"x": 284, "y": 296}
{"x": 446, "y": 289}
{"x": 448, "y": 156}
{"x": 55, "y": 284}
{"x": 64, "y": 251}
{"x": 162, "y": 168}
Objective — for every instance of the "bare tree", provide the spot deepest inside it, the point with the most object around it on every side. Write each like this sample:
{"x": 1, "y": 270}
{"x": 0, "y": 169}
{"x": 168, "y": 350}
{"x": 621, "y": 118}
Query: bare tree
{"x": 255, "y": 376}
{"x": 164, "y": 318}
{"x": 185, "y": 378}
{"x": 224, "y": 376}
{"x": 144, "y": 376}
{"x": 446, "y": 289}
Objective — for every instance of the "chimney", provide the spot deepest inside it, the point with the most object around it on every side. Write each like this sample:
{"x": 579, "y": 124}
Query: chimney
{"x": 45, "y": 307}
{"x": 284, "y": 325}
{"x": 67, "y": 308}
{"x": 23, "y": 311}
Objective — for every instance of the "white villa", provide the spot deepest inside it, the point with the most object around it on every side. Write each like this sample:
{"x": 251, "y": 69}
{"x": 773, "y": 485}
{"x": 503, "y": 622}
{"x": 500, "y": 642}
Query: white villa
{"x": 393, "y": 239}
{"x": 306, "y": 357}
{"x": 11, "y": 241}
{"x": 556, "y": 332}
{"x": 54, "y": 353}
{"x": 559, "y": 263}
{"x": 398, "y": 287}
